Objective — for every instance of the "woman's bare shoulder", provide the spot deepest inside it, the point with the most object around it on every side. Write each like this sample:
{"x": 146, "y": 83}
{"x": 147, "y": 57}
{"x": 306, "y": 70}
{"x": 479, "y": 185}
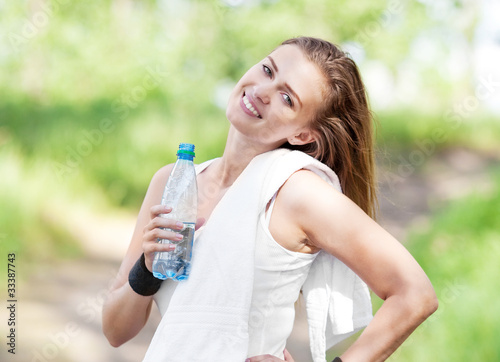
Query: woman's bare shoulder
{"x": 305, "y": 187}
{"x": 160, "y": 177}
{"x": 163, "y": 172}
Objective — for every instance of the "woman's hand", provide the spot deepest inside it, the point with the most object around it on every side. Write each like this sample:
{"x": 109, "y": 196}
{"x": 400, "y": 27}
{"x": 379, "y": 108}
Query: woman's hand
{"x": 155, "y": 229}
{"x": 269, "y": 358}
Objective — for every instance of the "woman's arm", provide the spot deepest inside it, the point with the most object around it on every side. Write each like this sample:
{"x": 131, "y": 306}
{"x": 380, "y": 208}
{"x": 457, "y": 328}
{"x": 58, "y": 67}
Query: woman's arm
{"x": 335, "y": 224}
{"x": 125, "y": 312}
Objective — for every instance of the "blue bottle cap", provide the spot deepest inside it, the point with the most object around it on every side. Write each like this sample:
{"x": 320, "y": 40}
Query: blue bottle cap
{"x": 186, "y": 149}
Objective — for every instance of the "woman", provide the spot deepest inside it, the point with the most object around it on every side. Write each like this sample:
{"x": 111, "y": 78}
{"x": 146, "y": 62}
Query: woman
{"x": 307, "y": 95}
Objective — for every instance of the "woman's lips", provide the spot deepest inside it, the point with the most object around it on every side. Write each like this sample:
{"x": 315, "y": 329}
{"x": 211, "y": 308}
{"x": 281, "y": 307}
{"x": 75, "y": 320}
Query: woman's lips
{"x": 249, "y": 107}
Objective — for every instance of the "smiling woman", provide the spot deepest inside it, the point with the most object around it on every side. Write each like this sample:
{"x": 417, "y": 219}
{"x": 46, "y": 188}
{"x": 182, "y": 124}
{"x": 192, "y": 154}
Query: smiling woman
{"x": 287, "y": 208}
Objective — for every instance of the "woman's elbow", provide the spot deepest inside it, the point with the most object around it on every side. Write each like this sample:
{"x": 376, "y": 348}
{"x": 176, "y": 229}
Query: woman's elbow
{"x": 115, "y": 342}
{"x": 424, "y": 302}
{"x": 115, "y": 339}
{"x": 431, "y": 302}
{"x": 113, "y": 333}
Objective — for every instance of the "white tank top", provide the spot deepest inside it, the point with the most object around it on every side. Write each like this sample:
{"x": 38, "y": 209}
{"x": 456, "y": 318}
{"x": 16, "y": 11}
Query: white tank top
{"x": 279, "y": 275}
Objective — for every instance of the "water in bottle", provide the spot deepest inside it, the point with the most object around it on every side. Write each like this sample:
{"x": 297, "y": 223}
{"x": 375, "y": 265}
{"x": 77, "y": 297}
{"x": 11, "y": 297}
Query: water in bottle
{"x": 181, "y": 194}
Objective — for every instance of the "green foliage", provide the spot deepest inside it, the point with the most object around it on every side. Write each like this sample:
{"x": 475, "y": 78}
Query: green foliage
{"x": 152, "y": 70}
{"x": 460, "y": 254}
{"x": 29, "y": 221}
{"x": 407, "y": 128}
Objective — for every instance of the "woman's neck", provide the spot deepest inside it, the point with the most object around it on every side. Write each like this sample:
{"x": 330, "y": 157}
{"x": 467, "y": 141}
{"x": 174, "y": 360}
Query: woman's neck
{"x": 238, "y": 153}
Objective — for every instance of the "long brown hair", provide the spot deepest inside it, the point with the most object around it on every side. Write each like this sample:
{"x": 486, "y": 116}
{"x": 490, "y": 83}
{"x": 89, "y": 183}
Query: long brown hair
{"x": 343, "y": 128}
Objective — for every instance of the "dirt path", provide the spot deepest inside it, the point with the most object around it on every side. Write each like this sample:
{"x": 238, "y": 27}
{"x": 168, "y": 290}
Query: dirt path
{"x": 60, "y": 304}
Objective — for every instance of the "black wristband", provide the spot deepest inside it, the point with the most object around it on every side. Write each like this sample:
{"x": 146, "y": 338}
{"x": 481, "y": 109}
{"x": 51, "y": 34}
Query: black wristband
{"x": 337, "y": 359}
{"x": 141, "y": 280}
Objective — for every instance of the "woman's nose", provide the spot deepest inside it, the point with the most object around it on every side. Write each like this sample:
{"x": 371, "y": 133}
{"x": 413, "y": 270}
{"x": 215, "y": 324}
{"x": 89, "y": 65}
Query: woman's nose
{"x": 262, "y": 92}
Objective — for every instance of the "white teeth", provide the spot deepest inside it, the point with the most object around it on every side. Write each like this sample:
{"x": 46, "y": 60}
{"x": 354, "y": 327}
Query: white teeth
{"x": 250, "y": 107}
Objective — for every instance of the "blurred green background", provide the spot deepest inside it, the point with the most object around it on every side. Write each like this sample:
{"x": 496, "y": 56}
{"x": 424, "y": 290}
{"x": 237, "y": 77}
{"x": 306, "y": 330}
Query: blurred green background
{"x": 95, "y": 97}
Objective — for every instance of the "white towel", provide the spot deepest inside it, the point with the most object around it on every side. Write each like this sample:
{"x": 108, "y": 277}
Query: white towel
{"x": 338, "y": 304}
{"x": 207, "y": 318}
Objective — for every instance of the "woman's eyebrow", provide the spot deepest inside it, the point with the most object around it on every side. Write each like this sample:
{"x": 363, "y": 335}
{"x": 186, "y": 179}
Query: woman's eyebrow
{"x": 273, "y": 63}
{"x": 289, "y": 89}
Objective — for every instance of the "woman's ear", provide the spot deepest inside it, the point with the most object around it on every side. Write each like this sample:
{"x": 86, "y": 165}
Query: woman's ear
{"x": 302, "y": 138}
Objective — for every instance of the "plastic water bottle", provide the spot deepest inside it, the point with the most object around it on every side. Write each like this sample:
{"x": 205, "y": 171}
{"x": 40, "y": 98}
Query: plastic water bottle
{"x": 181, "y": 194}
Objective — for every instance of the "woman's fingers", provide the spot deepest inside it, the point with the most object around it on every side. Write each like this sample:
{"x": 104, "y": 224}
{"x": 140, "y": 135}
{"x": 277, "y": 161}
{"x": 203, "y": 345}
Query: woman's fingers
{"x": 156, "y": 210}
{"x": 270, "y": 358}
{"x": 158, "y": 233}
{"x": 153, "y": 235}
{"x": 150, "y": 248}
{"x": 264, "y": 358}
{"x": 288, "y": 356}
{"x": 161, "y": 222}
{"x": 158, "y": 221}
{"x": 159, "y": 228}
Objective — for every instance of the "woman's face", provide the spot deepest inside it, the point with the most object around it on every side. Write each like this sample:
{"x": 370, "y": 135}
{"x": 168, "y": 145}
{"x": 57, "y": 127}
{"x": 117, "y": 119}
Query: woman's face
{"x": 275, "y": 100}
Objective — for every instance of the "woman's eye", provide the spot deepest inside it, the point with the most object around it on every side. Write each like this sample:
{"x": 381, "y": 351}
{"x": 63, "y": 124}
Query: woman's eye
{"x": 267, "y": 70}
{"x": 287, "y": 99}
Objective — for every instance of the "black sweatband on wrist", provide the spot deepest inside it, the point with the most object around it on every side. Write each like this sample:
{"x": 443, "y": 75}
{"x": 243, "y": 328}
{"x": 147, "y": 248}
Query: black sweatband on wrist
{"x": 337, "y": 359}
{"x": 141, "y": 280}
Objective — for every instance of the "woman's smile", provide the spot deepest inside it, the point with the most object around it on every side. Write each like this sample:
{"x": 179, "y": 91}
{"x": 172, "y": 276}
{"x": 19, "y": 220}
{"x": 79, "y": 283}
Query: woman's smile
{"x": 249, "y": 106}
